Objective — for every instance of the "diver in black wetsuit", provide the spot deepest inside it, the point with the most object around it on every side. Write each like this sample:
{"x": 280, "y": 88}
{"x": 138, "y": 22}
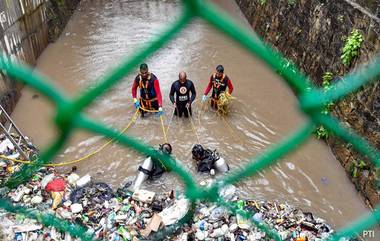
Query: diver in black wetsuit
{"x": 182, "y": 89}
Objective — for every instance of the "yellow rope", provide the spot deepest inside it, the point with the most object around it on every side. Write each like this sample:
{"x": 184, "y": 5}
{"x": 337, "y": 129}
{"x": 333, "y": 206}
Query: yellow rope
{"x": 15, "y": 160}
{"x": 162, "y": 121}
{"x": 147, "y": 110}
{"x": 82, "y": 158}
{"x": 224, "y": 100}
{"x": 163, "y": 129}
{"x": 170, "y": 122}
{"x": 192, "y": 125}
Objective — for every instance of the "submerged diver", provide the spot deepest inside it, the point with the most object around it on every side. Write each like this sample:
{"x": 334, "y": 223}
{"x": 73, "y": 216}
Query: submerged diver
{"x": 218, "y": 83}
{"x": 182, "y": 89}
{"x": 208, "y": 160}
{"x": 150, "y": 92}
{"x": 152, "y": 168}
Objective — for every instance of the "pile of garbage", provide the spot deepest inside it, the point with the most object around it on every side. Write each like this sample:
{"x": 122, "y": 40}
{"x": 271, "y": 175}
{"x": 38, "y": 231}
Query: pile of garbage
{"x": 8, "y": 149}
{"x": 127, "y": 215}
{"x": 141, "y": 214}
{"x": 94, "y": 205}
{"x": 212, "y": 222}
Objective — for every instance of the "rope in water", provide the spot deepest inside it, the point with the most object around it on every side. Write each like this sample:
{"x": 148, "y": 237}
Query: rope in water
{"x": 97, "y": 150}
{"x": 163, "y": 129}
{"x": 84, "y": 157}
{"x": 170, "y": 122}
{"x": 192, "y": 125}
{"x": 162, "y": 122}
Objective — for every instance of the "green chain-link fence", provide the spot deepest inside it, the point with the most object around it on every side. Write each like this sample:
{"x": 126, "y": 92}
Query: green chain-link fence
{"x": 69, "y": 116}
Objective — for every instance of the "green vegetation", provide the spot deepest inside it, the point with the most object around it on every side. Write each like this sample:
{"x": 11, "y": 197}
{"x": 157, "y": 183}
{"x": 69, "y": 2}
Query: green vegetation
{"x": 326, "y": 80}
{"x": 291, "y": 2}
{"x": 357, "y": 167}
{"x": 262, "y": 2}
{"x": 321, "y": 132}
{"x": 351, "y": 47}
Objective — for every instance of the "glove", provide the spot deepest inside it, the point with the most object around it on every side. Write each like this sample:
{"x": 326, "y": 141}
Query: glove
{"x": 137, "y": 103}
{"x": 204, "y": 98}
{"x": 160, "y": 112}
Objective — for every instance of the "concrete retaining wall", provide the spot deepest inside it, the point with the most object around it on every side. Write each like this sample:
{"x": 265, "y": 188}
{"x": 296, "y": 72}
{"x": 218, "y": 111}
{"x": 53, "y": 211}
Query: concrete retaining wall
{"x": 312, "y": 33}
{"x": 26, "y": 28}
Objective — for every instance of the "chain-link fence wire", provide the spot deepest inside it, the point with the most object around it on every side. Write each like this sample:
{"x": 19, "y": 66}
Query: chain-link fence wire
{"x": 69, "y": 117}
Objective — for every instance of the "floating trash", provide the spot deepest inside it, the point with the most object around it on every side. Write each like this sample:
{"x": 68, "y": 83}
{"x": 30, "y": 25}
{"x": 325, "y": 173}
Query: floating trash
{"x": 139, "y": 215}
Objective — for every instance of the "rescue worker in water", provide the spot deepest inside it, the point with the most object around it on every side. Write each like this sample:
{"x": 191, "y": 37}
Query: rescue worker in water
{"x": 150, "y": 92}
{"x": 218, "y": 83}
{"x": 182, "y": 88}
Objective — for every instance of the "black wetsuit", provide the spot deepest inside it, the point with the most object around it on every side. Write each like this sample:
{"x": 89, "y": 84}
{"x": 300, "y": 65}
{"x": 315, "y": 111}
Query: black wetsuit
{"x": 182, "y": 92}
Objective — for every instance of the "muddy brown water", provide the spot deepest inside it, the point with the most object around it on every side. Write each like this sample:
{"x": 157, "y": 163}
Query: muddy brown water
{"x": 102, "y": 33}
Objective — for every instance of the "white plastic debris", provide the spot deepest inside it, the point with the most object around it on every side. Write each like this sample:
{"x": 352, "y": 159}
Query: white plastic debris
{"x": 242, "y": 222}
{"x": 46, "y": 180}
{"x": 14, "y": 156}
{"x": 83, "y": 181}
{"x": 233, "y": 227}
{"x": 73, "y": 178}
{"x": 217, "y": 233}
{"x": 20, "y": 194}
{"x": 227, "y": 192}
{"x": 258, "y": 217}
{"x": 4, "y": 145}
{"x": 224, "y": 228}
{"x": 200, "y": 235}
{"x": 174, "y": 213}
{"x": 143, "y": 196}
{"x": 37, "y": 199}
{"x": 26, "y": 228}
{"x": 65, "y": 214}
{"x": 67, "y": 203}
{"x": 76, "y": 208}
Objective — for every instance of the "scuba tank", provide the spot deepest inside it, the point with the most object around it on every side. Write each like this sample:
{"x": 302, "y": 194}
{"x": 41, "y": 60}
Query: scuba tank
{"x": 221, "y": 165}
{"x": 208, "y": 160}
{"x": 143, "y": 173}
{"x": 150, "y": 168}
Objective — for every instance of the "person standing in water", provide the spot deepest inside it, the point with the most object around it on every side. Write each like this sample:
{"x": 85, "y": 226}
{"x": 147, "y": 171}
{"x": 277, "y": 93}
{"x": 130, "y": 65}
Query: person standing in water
{"x": 218, "y": 83}
{"x": 182, "y": 94}
{"x": 150, "y": 92}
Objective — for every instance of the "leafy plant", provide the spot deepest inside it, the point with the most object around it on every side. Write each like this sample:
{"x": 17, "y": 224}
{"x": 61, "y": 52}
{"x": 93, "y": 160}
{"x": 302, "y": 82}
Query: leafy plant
{"x": 356, "y": 167}
{"x": 291, "y": 2}
{"x": 326, "y": 80}
{"x": 351, "y": 47}
{"x": 262, "y": 2}
{"x": 321, "y": 132}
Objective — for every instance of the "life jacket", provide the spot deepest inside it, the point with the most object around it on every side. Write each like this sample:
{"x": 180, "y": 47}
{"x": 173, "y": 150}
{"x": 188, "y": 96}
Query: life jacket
{"x": 147, "y": 87}
{"x": 218, "y": 85}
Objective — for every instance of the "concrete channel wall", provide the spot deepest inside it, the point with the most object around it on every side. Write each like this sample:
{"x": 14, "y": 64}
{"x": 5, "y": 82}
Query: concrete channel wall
{"x": 312, "y": 33}
{"x": 26, "y": 28}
